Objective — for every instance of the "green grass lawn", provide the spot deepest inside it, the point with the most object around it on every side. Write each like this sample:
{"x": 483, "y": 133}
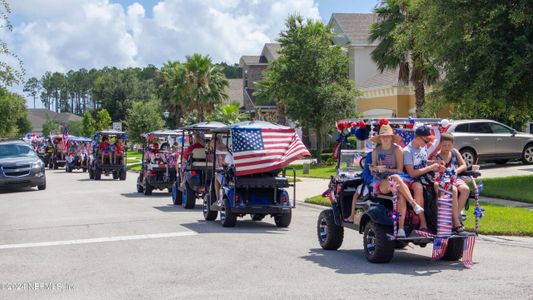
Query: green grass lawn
{"x": 517, "y": 188}
{"x": 498, "y": 220}
{"x": 314, "y": 172}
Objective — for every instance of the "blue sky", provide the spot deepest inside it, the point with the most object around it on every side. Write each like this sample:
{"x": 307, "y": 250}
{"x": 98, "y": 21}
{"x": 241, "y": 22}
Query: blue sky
{"x": 63, "y": 35}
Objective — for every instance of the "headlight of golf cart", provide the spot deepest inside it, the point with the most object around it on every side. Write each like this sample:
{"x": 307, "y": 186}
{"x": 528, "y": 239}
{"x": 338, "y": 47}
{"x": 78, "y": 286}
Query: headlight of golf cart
{"x": 37, "y": 165}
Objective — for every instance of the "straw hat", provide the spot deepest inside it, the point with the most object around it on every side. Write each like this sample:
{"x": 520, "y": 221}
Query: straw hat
{"x": 383, "y": 131}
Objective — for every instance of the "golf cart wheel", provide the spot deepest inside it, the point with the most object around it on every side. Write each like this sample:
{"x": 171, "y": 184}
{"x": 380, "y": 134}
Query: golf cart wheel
{"x": 527, "y": 154}
{"x": 56, "y": 166}
{"x": 42, "y": 187}
{"x": 227, "y": 218}
{"x": 378, "y": 248}
{"x": 122, "y": 175}
{"x": 91, "y": 173}
{"x": 148, "y": 189}
{"x": 330, "y": 235}
{"x": 454, "y": 251}
{"x": 189, "y": 198}
{"x": 257, "y": 217}
{"x": 209, "y": 215}
{"x": 469, "y": 156}
{"x": 97, "y": 173}
{"x": 115, "y": 175}
{"x": 84, "y": 170}
{"x": 283, "y": 220}
{"x": 177, "y": 198}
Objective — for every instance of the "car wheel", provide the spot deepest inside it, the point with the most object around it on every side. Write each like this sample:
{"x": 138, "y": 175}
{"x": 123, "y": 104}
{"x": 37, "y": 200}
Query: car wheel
{"x": 330, "y": 235}
{"x": 283, "y": 220}
{"x": 454, "y": 250}
{"x": 189, "y": 198}
{"x": 42, "y": 187}
{"x": 527, "y": 154}
{"x": 209, "y": 215}
{"x": 227, "y": 218}
{"x": 469, "y": 157}
{"x": 378, "y": 247}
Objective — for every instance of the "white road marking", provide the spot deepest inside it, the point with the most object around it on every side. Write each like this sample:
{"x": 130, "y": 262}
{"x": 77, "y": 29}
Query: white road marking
{"x": 101, "y": 240}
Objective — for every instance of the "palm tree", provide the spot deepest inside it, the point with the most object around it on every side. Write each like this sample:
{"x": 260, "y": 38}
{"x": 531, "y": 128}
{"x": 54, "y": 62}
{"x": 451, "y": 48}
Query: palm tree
{"x": 397, "y": 48}
{"x": 172, "y": 89}
{"x": 205, "y": 85}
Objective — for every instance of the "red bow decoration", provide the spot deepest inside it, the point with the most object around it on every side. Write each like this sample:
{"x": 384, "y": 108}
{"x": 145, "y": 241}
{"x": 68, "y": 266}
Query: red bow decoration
{"x": 362, "y": 124}
{"x": 383, "y": 122}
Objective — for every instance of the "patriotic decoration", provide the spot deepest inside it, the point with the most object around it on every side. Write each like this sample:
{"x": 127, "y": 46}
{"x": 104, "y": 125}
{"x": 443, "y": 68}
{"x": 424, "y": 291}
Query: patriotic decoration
{"x": 262, "y": 150}
{"x": 478, "y": 211}
{"x": 439, "y": 248}
{"x": 468, "y": 251}
{"x": 407, "y": 135}
{"x": 394, "y": 214}
{"x": 64, "y": 139}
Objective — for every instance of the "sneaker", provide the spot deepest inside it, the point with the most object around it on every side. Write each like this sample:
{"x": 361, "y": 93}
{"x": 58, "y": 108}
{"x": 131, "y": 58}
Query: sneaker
{"x": 418, "y": 209}
{"x": 400, "y": 233}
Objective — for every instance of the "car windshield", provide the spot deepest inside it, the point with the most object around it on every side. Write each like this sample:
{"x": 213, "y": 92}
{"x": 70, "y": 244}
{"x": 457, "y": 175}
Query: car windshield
{"x": 16, "y": 150}
{"x": 349, "y": 160}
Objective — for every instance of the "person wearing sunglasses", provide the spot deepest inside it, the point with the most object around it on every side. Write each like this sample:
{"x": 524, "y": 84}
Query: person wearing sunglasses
{"x": 416, "y": 164}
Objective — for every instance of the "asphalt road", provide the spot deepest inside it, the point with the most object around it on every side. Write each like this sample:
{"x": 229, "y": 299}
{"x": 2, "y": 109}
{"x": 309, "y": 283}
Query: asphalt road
{"x": 102, "y": 240}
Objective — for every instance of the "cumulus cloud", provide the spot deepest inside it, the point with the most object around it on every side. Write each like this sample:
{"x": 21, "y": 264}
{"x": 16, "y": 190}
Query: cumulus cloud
{"x": 64, "y": 34}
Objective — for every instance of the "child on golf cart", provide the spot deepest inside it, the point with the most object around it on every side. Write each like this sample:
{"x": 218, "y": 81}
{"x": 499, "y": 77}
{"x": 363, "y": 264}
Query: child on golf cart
{"x": 103, "y": 148}
{"x": 221, "y": 153}
{"x": 415, "y": 160}
{"x": 119, "y": 151}
{"x": 450, "y": 158}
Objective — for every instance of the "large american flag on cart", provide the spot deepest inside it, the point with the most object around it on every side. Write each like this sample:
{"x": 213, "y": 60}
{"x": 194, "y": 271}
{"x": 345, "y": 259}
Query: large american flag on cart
{"x": 262, "y": 150}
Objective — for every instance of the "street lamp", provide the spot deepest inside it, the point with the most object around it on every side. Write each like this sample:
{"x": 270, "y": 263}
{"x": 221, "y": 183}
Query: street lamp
{"x": 166, "y": 114}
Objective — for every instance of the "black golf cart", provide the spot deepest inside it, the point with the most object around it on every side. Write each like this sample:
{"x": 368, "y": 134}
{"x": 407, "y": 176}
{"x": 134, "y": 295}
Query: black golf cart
{"x": 375, "y": 215}
{"x": 194, "y": 176}
{"x": 158, "y": 165}
{"x": 57, "y": 153}
{"x": 105, "y": 159}
{"x": 75, "y": 159}
{"x": 258, "y": 190}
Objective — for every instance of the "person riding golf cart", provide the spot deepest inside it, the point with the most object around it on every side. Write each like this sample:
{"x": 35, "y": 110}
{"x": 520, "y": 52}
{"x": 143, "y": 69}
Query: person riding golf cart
{"x": 194, "y": 174}
{"x": 58, "y": 153}
{"x": 77, "y": 154}
{"x": 376, "y": 214}
{"x": 110, "y": 155}
{"x": 158, "y": 169}
{"x": 249, "y": 175}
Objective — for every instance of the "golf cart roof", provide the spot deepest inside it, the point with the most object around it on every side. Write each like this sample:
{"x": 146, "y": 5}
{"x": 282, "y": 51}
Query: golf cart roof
{"x": 79, "y": 139}
{"x": 203, "y": 126}
{"x": 250, "y": 125}
{"x": 395, "y": 120}
{"x": 162, "y": 133}
{"x": 111, "y": 132}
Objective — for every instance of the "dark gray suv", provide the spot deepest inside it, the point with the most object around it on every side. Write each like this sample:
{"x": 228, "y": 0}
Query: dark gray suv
{"x": 487, "y": 140}
{"x": 20, "y": 166}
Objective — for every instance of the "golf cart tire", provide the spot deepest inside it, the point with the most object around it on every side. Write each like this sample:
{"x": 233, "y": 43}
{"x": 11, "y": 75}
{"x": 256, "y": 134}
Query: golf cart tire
{"x": 334, "y": 235}
{"x": 209, "y": 215}
{"x": 383, "y": 247}
{"x": 148, "y": 189}
{"x": 140, "y": 188}
{"x": 91, "y": 173}
{"x": 227, "y": 218}
{"x": 122, "y": 175}
{"x": 283, "y": 220}
{"x": 191, "y": 198}
{"x": 454, "y": 250}
{"x": 56, "y": 166}
{"x": 115, "y": 175}
{"x": 177, "y": 197}
{"x": 97, "y": 173}
{"x": 84, "y": 170}
{"x": 257, "y": 217}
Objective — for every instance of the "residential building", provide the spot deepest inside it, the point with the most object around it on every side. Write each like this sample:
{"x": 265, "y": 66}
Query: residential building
{"x": 38, "y": 116}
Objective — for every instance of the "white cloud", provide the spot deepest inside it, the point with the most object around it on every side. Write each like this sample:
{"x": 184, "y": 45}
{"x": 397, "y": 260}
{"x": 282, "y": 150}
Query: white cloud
{"x": 59, "y": 35}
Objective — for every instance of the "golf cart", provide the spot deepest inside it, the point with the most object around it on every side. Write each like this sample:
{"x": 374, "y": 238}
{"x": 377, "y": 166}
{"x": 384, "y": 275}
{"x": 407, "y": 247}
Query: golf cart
{"x": 76, "y": 158}
{"x": 194, "y": 176}
{"x": 109, "y": 157}
{"x": 253, "y": 183}
{"x": 57, "y": 153}
{"x": 376, "y": 215}
{"x": 158, "y": 169}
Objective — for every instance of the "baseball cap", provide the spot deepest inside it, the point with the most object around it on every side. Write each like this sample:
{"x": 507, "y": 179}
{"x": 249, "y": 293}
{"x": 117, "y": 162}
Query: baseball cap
{"x": 424, "y": 131}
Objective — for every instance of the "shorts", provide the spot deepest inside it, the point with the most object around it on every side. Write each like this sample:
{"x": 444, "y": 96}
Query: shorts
{"x": 220, "y": 178}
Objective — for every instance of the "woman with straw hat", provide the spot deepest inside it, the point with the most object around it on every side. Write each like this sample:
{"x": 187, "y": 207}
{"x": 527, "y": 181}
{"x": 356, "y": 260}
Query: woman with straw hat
{"x": 387, "y": 162}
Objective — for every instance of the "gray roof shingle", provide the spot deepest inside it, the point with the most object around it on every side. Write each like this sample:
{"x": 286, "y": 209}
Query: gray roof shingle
{"x": 355, "y": 26}
{"x": 387, "y": 78}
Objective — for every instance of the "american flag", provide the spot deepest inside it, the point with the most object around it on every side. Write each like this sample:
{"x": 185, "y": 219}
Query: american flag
{"x": 468, "y": 251}
{"x": 407, "y": 135}
{"x": 439, "y": 248}
{"x": 64, "y": 139}
{"x": 265, "y": 150}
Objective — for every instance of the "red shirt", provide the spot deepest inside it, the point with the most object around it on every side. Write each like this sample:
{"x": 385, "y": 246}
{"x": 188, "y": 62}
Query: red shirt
{"x": 104, "y": 146}
{"x": 119, "y": 149}
{"x": 190, "y": 148}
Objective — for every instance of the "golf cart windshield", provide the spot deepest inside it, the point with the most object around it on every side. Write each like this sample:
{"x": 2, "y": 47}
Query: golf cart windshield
{"x": 349, "y": 161}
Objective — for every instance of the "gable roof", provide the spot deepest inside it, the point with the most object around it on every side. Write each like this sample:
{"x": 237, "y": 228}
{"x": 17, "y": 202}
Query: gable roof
{"x": 354, "y": 26}
{"x": 37, "y": 117}
{"x": 251, "y": 60}
{"x": 386, "y": 79}
{"x": 271, "y": 51}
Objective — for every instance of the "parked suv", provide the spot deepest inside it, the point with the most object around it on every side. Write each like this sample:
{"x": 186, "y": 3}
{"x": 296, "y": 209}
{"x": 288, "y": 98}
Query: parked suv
{"x": 487, "y": 140}
{"x": 20, "y": 166}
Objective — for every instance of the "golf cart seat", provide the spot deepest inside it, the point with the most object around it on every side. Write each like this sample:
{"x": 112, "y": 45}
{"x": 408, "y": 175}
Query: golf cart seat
{"x": 199, "y": 158}
{"x": 260, "y": 182}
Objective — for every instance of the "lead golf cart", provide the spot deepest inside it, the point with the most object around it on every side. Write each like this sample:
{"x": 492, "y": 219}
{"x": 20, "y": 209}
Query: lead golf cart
{"x": 194, "y": 176}
{"x": 109, "y": 157}
{"x": 255, "y": 183}
{"x": 376, "y": 215}
{"x": 158, "y": 170}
